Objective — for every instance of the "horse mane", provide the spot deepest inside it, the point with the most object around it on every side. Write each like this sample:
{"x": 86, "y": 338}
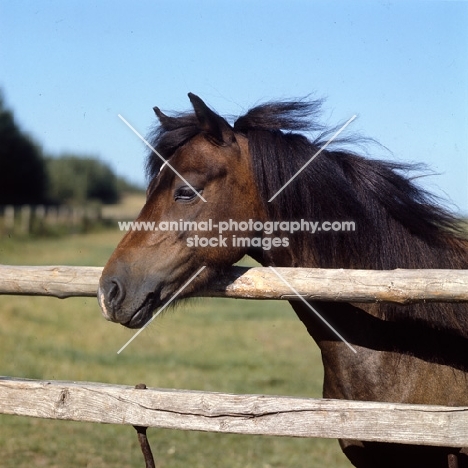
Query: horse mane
{"x": 397, "y": 223}
{"x": 381, "y": 197}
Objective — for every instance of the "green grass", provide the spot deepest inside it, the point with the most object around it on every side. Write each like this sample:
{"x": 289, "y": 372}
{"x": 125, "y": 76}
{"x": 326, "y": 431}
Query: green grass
{"x": 205, "y": 344}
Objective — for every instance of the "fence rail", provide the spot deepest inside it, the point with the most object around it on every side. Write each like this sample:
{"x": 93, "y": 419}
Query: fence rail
{"x": 237, "y": 414}
{"x": 399, "y": 286}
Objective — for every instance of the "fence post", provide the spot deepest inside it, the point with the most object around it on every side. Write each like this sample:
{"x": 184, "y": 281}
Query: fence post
{"x": 9, "y": 218}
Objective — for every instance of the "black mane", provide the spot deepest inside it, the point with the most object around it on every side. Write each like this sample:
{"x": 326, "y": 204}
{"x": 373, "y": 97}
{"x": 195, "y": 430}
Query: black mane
{"x": 379, "y": 196}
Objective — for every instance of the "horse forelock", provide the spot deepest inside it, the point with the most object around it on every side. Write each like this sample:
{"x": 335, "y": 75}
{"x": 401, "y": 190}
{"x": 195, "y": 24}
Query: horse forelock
{"x": 167, "y": 138}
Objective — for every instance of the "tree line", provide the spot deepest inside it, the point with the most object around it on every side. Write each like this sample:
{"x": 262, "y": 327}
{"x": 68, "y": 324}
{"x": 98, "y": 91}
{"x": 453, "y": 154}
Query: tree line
{"x": 27, "y": 176}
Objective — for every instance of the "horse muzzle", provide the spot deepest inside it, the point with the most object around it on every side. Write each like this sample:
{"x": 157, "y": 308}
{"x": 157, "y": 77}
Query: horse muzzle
{"x": 130, "y": 310}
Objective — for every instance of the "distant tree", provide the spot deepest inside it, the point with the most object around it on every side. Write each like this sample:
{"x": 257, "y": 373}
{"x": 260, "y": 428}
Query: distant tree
{"x": 78, "y": 179}
{"x": 23, "y": 177}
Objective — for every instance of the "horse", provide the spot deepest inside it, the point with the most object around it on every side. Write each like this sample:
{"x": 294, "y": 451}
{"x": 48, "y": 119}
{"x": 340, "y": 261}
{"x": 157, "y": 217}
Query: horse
{"x": 203, "y": 169}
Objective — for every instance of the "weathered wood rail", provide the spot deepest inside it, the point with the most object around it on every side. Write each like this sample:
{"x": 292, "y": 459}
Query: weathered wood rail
{"x": 400, "y": 286}
{"x": 238, "y": 414}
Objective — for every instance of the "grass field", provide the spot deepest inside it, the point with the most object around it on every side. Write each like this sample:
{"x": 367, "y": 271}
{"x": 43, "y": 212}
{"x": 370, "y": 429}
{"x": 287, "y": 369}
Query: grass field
{"x": 206, "y": 344}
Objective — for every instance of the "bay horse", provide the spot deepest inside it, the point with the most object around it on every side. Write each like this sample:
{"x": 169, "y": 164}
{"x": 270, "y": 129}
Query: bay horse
{"x": 204, "y": 168}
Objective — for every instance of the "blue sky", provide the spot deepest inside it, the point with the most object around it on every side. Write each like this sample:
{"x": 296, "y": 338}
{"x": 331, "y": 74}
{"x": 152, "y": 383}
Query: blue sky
{"x": 67, "y": 68}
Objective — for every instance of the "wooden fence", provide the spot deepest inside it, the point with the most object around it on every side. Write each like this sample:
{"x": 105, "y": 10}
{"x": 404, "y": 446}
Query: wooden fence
{"x": 44, "y": 219}
{"x": 246, "y": 414}
{"x": 41, "y": 219}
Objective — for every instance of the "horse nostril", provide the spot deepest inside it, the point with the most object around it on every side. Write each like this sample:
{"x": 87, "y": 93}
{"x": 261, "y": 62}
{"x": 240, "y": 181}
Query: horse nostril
{"x": 115, "y": 293}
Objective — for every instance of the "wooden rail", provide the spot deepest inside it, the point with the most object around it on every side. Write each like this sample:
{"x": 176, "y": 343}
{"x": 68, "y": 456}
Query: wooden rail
{"x": 399, "y": 286}
{"x": 239, "y": 414}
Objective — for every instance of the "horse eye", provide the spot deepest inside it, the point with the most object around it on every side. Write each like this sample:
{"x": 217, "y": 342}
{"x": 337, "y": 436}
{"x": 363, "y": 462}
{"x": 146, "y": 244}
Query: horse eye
{"x": 186, "y": 193}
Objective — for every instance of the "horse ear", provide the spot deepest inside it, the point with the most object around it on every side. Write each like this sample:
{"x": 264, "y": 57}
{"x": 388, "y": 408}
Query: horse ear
{"x": 210, "y": 122}
{"x": 164, "y": 119}
{"x": 158, "y": 112}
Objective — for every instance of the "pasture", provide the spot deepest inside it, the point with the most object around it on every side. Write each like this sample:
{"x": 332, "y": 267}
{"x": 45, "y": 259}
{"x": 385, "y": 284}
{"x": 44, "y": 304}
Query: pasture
{"x": 206, "y": 344}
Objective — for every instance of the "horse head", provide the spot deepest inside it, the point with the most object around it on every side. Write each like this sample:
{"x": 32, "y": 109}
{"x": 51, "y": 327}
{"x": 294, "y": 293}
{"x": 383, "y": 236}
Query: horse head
{"x": 200, "y": 176}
